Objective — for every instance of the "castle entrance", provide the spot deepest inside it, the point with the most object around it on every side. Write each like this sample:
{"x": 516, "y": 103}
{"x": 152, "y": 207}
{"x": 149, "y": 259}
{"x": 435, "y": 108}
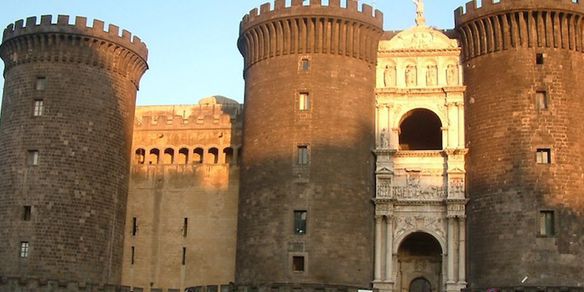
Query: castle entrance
{"x": 419, "y": 264}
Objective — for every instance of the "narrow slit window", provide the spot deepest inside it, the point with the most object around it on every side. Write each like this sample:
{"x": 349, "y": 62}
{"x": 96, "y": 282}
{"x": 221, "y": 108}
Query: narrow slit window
{"x": 185, "y": 228}
{"x": 539, "y": 59}
{"x": 542, "y": 101}
{"x": 41, "y": 83}
{"x": 134, "y": 226}
{"x": 27, "y": 213}
{"x": 303, "y": 155}
{"x": 546, "y": 223}
{"x": 24, "y": 249}
{"x": 298, "y": 264}
{"x": 38, "y": 108}
{"x": 132, "y": 255}
{"x": 32, "y": 157}
{"x": 184, "y": 256}
{"x": 304, "y": 101}
{"x": 300, "y": 222}
{"x": 544, "y": 156}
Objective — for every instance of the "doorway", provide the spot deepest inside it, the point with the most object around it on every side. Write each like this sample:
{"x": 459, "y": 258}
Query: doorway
{"x": 419, "y": 263}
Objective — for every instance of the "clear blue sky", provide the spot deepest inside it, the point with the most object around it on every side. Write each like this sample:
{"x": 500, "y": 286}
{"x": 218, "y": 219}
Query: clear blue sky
{"x": 192, "y": 43}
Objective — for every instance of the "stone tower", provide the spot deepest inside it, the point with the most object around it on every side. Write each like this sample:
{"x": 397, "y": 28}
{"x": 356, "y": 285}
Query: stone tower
{"x": 523, "y": 67}
{"x": 67, "y": 114}
{"x": 305, "y": 210}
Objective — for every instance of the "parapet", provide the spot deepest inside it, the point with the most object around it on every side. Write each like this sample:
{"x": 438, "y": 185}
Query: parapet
{"x": 80, "y": 27}
{"x": 475, "y": 9}
{"x": 349, "y": 10}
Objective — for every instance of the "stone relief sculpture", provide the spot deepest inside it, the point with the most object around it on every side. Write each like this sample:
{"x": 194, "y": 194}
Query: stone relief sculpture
{"x": 383, "y": 141}
{"x": 431, "y": 75}
{"x": 419, "y": 222}
{"x": 452, "y": 74}
{"x": 389, "y": 76}
{"x": 411, "y": 76}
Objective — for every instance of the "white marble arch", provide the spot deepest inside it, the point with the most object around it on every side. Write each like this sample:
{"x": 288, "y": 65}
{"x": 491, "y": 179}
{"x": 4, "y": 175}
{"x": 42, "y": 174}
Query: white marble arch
{"x": 399, "y": 239}
{"x": 402, "y": 111}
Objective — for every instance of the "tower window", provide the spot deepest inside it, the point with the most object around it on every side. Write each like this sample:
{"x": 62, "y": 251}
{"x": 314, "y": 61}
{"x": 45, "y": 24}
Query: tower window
{"x": 300, "y": 222}
{"x": 41, "y": 83}
{"x": 305, "y": 64}
{"x": 303, "y": 155}
{"x": 298, "y": 264}
{"x": 544, "y": 156}
{"x": 32, "y": 157}
{"x": 38, "y": 108}
{"x": 24, "y": 248}
{"x": 184, "y": 256}
{"x": 541, "y": 99}
{"x": 304, "y": 101}
{"x": 134, "y": 226}
{"x": 539, "y": 58}
{"x": 132, "y": 255}
{"x": 546, "y": 223}
{"x": 185, "y": 227}
{"x": 27, "y": 214}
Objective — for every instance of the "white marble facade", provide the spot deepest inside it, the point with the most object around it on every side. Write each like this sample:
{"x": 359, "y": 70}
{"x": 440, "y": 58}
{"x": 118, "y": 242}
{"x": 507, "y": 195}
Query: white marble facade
{"x": 420, "y": 194}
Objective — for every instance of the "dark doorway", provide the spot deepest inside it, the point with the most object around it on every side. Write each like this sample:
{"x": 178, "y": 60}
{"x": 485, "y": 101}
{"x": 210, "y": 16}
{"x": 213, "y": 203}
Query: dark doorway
{"x": 420, "y": 129}
{"x": 420, "y": 285}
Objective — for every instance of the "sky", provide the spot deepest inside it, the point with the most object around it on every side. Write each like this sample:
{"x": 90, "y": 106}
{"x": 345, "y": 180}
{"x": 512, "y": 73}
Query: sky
{"x": 192, "y": 43}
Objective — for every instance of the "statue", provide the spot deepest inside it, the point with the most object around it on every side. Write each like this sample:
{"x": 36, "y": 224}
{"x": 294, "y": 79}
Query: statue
{"x": 389, "y": 76}
{"x": 431, "y": 75}
{"x": 452, "y": 74}
{"x": 420, "y": 19}
{"x": 383, "y": 143}
{"x": 411, "y": 76}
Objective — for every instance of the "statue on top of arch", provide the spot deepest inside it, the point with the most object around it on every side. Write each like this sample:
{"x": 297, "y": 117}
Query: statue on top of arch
{"x": 420, "y": 19}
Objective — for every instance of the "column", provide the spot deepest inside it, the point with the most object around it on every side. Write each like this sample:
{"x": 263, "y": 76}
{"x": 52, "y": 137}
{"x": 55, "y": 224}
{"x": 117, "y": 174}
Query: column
{"x": 461, "y": 126}
{"x": 450, "y": 250}
{"x": 389, "y": 250}
{"x": 377, "y": 127}
{"x": 462, "y": 250}
{"x": 378, "y": 221}
{"x": 452, "y": 111}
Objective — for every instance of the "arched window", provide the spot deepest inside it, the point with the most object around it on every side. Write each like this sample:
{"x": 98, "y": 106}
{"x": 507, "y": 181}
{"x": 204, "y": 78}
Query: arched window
{"x": 420, "y": 129}
{"x": 198, "y": 158}
{"x": 169, "y": 156}
{"x": 420, "y": 285}
{"x": 183, "y": 156}
{"x": 228, "y": 154}
{"x": 214, "y": 155}
{"x": 140, "y": 156}
{"x": 154, "y": 156}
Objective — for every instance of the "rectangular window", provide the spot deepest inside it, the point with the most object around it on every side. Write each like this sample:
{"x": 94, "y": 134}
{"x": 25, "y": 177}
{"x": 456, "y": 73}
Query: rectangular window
{"x": 305, "y": 63}
{"x": 134, "y": 226}
{"x": 544, "y": 156}
{"x": 185, "y": 227}
{"x": 304, "y": 101}
{"x": 41, "y": 83}
{"x": 38, "y": 108}
{"x": 32, "y": 157}
{"x": 184, "y": 256}
{"x": 132, "y": 255}
{"x": 546, "y": 223}
{"x": 300, "y": 222}
{"x": 24, "y": 249}
{"x": 539, "y": 58}
{"x": 303, "y": 158}
{"x": 27, "y": 214}
{"x": 541, "y": 98}
{"x": 298, "y": 263}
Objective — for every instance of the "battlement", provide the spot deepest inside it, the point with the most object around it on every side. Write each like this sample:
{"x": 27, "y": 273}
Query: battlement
{"x": 35, "y": 284}
{"x": 188, "y": 116}
{"x": 80, "y": 27}
{"x": 347, "y": 9}
{"x": 474, "y": 9}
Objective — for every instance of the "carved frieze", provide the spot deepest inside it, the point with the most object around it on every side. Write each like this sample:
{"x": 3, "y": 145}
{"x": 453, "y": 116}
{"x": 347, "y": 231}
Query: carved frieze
{"x": 412, "y": 223}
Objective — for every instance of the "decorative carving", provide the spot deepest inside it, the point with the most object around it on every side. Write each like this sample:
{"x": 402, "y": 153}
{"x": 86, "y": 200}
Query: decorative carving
{"x": 428, "y": 193}
{"x": 431, "y": 75}
{"x": 456, "y": 187}
{"x": 411, "y": 76}
{"x": 413, "y": 223}
{"x": 384, "y": 188}
{"x": 383, "y": 141}
{"x": 452, "y": 74}
{"x": 389, "y": 76}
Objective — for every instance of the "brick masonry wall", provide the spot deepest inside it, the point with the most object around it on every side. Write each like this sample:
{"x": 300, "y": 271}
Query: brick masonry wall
{"x": 507, "y": 188}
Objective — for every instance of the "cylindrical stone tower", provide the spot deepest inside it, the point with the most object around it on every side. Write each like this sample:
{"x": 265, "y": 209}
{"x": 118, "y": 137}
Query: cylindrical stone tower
{"x": 66, "y": 131}
{"x": 305, "y": 210}
{"x": 524, "y": 66}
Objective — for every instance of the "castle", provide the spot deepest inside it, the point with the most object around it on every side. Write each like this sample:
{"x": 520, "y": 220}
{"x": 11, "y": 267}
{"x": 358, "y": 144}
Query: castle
{"x": 414, "y": 160}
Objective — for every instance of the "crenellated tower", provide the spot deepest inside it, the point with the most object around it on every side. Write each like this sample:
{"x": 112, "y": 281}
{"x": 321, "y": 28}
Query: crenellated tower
{"x": 523, "y": 67}
{"x": 67, "y": 118}
{"x": 305, "y": 210}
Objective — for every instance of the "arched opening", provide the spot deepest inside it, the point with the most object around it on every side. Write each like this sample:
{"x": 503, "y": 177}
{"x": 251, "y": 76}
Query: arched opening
{"x": 228, "y": 154}
{"x": 420, "y": 129}
{"x": 183, "y": 156}
{"x": 198, "y": 158}
{"x": 420, "y": 263}
{"x": 214, "y": 155}
{"x": 168, "y": 156}
{"x": 140, "y": 156}
{"x": 154, "y": 156}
